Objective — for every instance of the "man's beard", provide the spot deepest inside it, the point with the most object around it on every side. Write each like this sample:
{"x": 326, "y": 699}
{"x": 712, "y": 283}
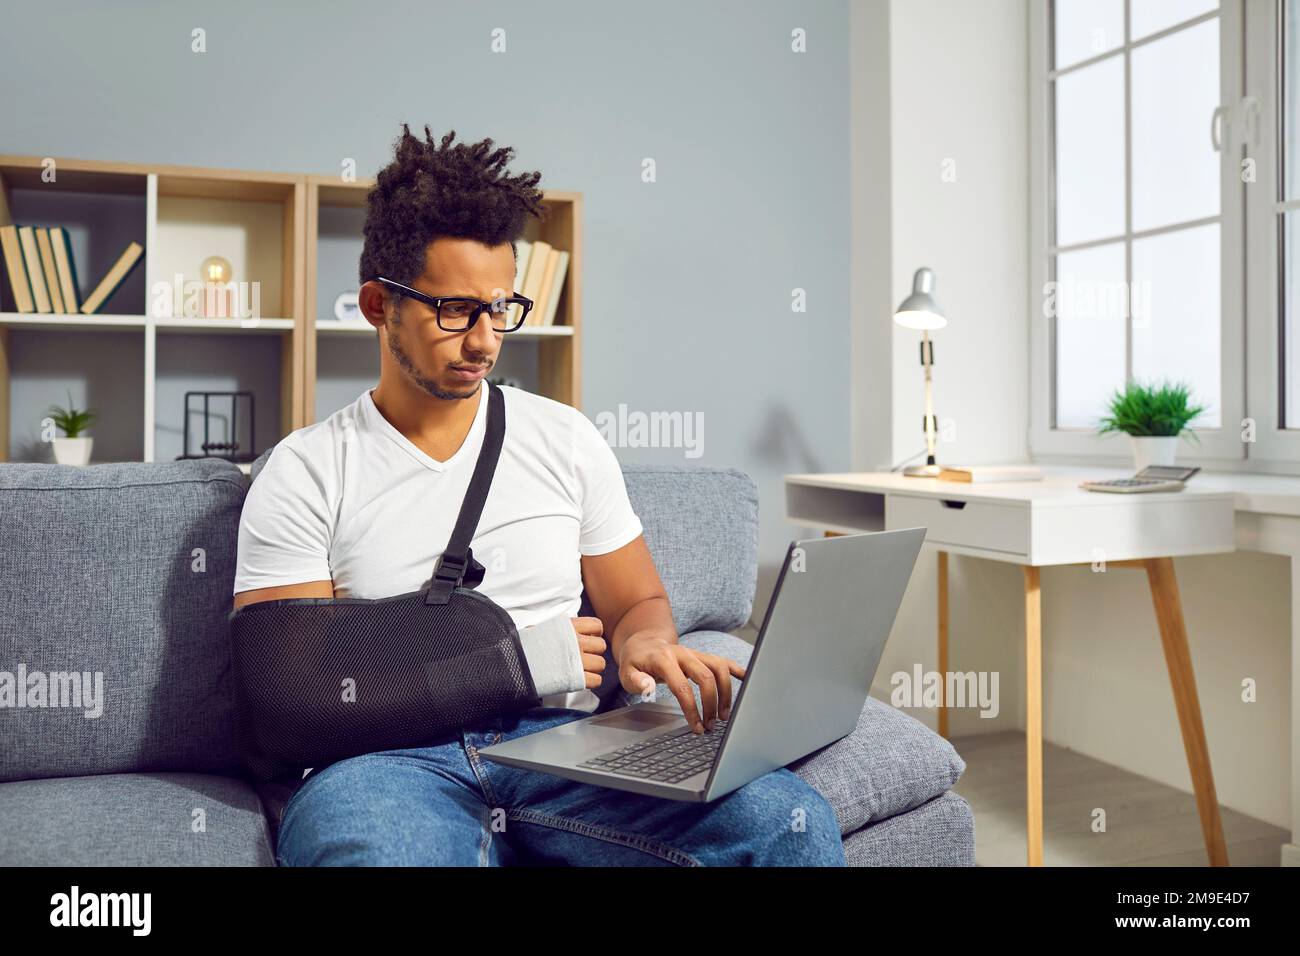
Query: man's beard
{"x": 428, "y": 385}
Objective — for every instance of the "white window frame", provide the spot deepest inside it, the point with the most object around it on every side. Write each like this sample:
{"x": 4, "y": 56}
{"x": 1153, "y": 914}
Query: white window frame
{"x": 1274, "y": 449}
{"x": 1219, "y": 447}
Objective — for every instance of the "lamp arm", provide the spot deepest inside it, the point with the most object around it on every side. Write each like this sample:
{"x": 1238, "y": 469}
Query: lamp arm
{"x": 927, "y": 360}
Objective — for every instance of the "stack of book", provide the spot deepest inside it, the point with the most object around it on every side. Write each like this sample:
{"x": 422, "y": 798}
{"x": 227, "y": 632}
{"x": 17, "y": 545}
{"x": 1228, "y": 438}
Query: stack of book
{"x": 540, "y": 277}
{"x": 43, "y": 276}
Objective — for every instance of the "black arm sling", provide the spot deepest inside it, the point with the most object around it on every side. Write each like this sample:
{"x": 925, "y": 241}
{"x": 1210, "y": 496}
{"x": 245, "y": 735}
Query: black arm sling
{"x": 321, "y": 679}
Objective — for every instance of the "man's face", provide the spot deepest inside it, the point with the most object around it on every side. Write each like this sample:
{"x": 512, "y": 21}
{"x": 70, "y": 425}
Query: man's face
{"x": 426, "y": 354}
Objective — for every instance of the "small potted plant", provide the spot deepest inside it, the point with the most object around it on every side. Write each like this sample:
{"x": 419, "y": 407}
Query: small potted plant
{"x": 74, "y": 449}
{"x": 1153, "y": 416}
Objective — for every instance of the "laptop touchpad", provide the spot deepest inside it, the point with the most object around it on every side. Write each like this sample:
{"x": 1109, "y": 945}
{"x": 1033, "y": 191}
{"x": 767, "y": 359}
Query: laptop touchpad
{"x": 637, "y": 718}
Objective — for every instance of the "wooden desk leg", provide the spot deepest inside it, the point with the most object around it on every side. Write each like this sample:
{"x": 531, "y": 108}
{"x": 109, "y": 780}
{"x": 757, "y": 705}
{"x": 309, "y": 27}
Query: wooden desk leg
{"x": 943, "y": 643}
{"x": 1033, "y": 717}
{"x": 1173, "y": 635}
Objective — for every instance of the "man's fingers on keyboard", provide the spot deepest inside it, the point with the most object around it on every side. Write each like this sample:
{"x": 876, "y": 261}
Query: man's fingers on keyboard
{"x": 721, "y": 674}
{"x": 593, "y": 662}
{"x": 683, "y": 690}
{"x": 700, "y": 673}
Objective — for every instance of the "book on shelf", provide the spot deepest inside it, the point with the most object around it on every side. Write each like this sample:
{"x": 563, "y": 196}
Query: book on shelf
{"x": 49, "y": 270}
{"x": 536, "y": 270}
{"x": 35, "y": 274}
{"x": 536, "y": 316}
{"x": 557, "y": 286}
{"x": 116, "y": 275}
{"x": 17, "y": 270}
{"x": 983, "y": 473}
{"x": 523, "y": 248}
{"x": 67, "y": 270}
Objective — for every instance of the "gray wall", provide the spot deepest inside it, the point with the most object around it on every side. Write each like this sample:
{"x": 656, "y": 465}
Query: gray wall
{"x": 687, "y": 282}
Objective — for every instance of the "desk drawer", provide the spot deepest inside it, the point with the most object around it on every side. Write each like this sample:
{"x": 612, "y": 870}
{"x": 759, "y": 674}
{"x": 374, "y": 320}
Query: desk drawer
{"x": 965, "y": 523}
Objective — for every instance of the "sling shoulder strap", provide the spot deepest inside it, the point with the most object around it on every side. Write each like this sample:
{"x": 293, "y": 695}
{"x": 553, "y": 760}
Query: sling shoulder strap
{"x": 457, "y": 566}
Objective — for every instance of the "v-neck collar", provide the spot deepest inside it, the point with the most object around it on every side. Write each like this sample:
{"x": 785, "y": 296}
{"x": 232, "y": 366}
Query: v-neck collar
{"x": 478, "y": 426}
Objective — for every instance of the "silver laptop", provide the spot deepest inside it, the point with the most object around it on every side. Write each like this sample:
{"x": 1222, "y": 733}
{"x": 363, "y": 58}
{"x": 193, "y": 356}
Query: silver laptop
{"x": 804, "y": 687}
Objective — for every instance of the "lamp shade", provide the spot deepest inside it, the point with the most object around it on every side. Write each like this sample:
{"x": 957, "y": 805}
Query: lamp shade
{"x": 919, "y": 310}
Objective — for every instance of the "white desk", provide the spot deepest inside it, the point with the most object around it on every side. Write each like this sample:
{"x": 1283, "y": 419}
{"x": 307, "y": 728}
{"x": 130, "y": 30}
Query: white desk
{"x": 1053, "y": 522}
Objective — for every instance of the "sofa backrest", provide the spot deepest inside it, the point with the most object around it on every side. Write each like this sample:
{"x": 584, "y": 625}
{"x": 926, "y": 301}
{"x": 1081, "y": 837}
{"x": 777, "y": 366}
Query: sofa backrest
{"x": 117, "y": 576}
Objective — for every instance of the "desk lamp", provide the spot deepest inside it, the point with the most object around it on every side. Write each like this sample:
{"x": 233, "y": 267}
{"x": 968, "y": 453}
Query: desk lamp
{"x": 920, "y": 311}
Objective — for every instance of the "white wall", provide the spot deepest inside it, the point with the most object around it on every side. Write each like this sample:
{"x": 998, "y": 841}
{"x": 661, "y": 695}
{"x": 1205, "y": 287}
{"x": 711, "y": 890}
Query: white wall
{"x": 871, "y": 294}
{"x": 959, "y": 147}
{"x": 958, "y": 80}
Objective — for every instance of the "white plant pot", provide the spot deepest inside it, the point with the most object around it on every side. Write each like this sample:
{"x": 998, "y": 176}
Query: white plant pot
{"x": 1153, "y": 450}
{"x": 72, "y": 451}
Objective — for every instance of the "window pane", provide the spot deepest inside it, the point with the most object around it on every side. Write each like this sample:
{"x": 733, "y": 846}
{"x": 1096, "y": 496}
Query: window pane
{"x": 1089, "y": 304}
{"x": 1290, "y": 242}
{"x": 1290, "y": 118}
{"x": 1090, "y": 153}
{"x": 1176, "y": 305}
{"x": 1085, "y": 28}
{"x": 1148, "y": 16}
{"x": 1175, "y": 92}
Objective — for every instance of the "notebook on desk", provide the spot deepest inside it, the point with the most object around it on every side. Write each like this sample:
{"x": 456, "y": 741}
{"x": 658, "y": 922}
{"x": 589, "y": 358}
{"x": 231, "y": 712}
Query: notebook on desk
{"x": 983, "y": 473}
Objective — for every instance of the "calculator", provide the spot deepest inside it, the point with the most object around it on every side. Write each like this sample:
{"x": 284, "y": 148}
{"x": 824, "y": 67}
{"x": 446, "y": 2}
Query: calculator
{"x": 1151, "y": 478}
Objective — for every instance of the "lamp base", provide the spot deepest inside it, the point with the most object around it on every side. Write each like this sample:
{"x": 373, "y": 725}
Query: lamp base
{"x": 921, "y": 471}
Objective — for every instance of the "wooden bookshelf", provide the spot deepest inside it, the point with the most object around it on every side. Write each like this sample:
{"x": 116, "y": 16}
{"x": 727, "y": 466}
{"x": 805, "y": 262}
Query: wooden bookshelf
{"x": 268, "y": 225}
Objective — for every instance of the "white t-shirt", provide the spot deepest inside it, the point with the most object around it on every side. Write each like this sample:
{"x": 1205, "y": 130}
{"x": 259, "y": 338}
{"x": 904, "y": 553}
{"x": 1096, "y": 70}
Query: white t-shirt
{"x": 351, "y": 499}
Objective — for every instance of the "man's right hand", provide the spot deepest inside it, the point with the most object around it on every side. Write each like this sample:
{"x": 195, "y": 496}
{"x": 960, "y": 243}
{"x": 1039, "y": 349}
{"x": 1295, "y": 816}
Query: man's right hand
{"x": 589, "y": 632}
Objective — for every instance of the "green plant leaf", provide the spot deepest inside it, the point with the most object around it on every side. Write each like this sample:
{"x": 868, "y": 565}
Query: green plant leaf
{"x": 72, "y": 421}
{"x": 1151, "y": 410}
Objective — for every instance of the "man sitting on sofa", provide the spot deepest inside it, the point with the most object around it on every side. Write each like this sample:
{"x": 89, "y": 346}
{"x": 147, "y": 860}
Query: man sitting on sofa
{"x": 362, "y": 503}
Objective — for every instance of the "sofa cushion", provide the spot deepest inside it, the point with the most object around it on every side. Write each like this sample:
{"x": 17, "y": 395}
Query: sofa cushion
{"x": 138, "y": 819}
{"x": 940, "y": 832}
{"x": 120, "y": 573}
{"x": 888, "y": 765}
{"x": 701, "y": 526}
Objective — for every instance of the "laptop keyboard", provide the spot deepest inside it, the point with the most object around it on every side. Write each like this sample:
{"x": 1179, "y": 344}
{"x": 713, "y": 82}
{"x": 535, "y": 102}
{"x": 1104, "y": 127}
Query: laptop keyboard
{"x": 669, "y": 758}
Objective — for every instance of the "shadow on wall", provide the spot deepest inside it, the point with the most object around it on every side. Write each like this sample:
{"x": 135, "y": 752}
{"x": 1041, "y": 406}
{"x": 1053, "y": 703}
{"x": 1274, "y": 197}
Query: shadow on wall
{"x": 782, "y": 444}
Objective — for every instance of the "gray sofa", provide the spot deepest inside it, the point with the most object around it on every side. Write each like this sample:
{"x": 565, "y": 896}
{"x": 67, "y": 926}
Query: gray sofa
{"x": 126, "y": 570}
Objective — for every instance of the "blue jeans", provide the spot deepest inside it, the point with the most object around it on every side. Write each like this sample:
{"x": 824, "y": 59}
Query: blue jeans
{"x": 445, "y": 805}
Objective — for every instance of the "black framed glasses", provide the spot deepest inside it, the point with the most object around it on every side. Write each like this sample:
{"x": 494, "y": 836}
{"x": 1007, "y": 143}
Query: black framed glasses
{"x": 458, "y": 313}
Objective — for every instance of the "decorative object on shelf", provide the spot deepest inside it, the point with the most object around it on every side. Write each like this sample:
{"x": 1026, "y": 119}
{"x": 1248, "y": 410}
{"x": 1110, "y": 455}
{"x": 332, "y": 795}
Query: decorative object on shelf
{"x": 215, "y": 273}
{"x": 230, "y": 449}
{"x": 74, "y": 449}
{"x": 920, "y": 311}
{"x": 345, "y": 306}
{"x": 1153, "y": 416}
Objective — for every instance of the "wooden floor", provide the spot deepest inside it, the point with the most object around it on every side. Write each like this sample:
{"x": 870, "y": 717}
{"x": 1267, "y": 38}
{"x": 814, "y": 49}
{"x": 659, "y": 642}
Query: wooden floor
{"x": 1147, "y": 823}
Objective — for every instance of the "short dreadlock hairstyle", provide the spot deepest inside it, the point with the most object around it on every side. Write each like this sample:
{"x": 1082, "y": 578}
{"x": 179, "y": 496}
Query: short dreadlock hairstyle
{"x": 430, "y": 190}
